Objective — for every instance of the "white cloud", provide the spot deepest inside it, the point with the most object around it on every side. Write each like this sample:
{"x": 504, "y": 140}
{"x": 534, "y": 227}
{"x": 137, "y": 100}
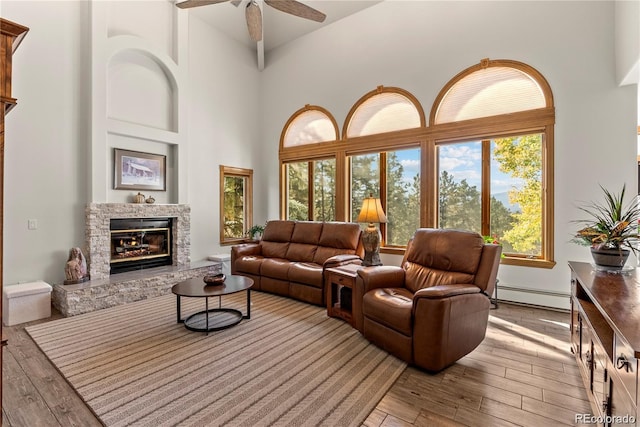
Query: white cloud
{"x": 410, "y": 163}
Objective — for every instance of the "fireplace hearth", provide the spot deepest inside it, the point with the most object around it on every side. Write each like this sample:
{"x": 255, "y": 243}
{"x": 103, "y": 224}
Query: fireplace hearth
{"x": 140, "y": 243}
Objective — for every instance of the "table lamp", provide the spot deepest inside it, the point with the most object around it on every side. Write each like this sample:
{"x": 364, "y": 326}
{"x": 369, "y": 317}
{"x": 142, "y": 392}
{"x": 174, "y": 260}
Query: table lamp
{"x": 372, "y": 213}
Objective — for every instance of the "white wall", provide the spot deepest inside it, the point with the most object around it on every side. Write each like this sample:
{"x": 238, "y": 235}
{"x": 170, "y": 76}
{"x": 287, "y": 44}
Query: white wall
{"x": 223, "y": 128}
{"x": 420, "y": 46}
{"x": 48, "y": 135}
{"x": 47, "y": 140}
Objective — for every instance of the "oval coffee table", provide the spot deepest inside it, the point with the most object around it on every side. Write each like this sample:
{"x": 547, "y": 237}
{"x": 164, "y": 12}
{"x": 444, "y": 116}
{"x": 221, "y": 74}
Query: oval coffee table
{"x": 214, "y": 319}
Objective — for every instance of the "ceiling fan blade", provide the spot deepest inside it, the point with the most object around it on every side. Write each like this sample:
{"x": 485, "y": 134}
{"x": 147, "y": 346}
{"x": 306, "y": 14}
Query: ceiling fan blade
{"x": 254, "y": 21}
{"x": 296, "y": 8}
{"x": 195, "y": 3}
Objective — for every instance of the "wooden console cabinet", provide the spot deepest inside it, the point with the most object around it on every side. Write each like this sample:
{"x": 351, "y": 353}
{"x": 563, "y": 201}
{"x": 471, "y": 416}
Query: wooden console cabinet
{"x": 605, "y": 338}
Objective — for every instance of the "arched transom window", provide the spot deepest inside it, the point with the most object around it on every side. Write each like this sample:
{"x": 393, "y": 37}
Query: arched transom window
{"x": 489, "y": 92}
{"x": 383, "y": 110}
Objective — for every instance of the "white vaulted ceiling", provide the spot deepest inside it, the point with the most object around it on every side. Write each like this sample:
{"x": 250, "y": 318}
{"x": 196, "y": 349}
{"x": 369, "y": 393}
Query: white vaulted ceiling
{"x": 278, "y": 27}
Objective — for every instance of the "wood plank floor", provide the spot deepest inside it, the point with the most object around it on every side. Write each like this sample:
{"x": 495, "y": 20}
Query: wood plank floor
{"x": 523, "y": 374}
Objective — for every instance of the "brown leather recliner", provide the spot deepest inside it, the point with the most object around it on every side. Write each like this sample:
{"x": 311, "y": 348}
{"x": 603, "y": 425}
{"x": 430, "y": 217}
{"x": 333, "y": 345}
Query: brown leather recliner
{"x": 434, "y": 308}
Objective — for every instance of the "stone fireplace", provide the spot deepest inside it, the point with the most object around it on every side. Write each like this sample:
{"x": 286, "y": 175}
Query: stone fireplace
{"x": 98, "y": 231}
{"x": 107, "y": 290}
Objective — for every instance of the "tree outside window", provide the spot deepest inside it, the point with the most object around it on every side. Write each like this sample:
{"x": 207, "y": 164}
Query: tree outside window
{"x": 514, "y": 199}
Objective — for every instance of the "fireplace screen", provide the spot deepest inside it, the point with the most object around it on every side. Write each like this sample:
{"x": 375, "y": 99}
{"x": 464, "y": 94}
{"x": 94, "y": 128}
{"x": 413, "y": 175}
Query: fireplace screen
{"x": 138, "y": 243}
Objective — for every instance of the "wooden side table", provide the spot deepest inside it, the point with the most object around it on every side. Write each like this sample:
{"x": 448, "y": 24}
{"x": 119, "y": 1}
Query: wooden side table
{"x": 339, "y": 283}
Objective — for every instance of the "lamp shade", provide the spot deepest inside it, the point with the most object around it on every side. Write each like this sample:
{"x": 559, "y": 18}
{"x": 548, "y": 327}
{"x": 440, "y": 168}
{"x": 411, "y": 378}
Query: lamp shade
{"x": 371, "y": 211}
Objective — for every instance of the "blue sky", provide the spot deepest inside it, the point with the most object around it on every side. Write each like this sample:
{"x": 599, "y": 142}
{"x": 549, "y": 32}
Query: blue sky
{"x": 463, "y": 161}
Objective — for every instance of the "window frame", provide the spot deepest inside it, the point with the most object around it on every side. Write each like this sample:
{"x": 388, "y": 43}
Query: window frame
{"x": 427, "y": 137}
{"x": 247, "y": 223}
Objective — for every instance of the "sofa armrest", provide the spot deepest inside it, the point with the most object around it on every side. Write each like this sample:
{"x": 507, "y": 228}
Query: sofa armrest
{"x": 245, "y": 249}
{"x": 338, "y": 260}
{"x": 445, "y": 291}
{"x": 369, "y": 278}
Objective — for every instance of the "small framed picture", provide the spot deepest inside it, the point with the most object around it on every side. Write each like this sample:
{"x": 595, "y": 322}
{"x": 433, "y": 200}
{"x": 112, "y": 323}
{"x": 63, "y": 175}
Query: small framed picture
{"x": 135, "y": 170}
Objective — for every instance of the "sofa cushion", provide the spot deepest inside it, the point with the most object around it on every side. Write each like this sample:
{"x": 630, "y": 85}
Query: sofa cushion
{"x": 249, "y": 264}
{"x": 307, "y": 273}
{"x": 435, "y": 258}
{"x": 301, "y": 252}
{"x": 274, "y": 249}
{"x": 276, "y": 268}
{"x": 340, "y": 235}
{"x": 437, "y": 249}
{"x": 390, "y": 307}
{"x": 278, "y": 231}
{"x": 307, "y": 232}
{"x": 418, "y": 277}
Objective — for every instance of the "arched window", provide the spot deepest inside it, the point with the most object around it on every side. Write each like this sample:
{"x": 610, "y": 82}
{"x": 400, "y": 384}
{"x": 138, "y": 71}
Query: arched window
{"x": 384, "y": 110}
{"x": 494, "y": 158}
{"x": 309, "y": 184}
{"x": 310, "y": 125}
{"x": 390, "y": 172}
{"x": 483, "y": 163}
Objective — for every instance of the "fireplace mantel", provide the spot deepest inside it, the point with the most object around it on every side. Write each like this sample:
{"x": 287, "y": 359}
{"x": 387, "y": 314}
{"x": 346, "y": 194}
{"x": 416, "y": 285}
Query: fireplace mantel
{"x": 97, "y": 233}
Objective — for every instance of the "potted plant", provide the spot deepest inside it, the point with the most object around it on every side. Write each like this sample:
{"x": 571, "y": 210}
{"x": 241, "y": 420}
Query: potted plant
{"x": 611, "y": 230}
{"x": 255, "y": 232}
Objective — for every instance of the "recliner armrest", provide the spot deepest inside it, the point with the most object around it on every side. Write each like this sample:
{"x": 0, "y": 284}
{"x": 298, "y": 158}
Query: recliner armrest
{"x": 380, "y": 277}
{"x": 445, "y": 291}
{"x": 245, "y": 249}
{"x": 338, "y": 260}
{"x": 372, "y": 278}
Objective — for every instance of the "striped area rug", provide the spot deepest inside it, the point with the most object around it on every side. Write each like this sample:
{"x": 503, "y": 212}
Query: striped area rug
{"x": 289, "y": 364}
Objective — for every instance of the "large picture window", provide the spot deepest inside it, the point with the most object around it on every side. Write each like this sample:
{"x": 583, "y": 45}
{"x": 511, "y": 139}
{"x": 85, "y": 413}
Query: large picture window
{"x": 494, "y": 187}
{"x": 315, "y": 202}
{"x": 482, "y": 162}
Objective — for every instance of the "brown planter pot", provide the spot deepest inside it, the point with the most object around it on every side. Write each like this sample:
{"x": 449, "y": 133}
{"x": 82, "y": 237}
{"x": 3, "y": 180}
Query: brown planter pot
{"x": 610, "y": 258}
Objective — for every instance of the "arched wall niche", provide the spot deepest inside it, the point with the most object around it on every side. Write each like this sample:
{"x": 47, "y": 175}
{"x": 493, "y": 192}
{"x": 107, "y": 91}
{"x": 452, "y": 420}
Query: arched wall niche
{"x": 141, "y": 90}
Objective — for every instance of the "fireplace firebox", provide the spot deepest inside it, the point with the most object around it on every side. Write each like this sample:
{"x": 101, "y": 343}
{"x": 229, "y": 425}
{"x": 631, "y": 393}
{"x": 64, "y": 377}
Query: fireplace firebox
{"x": 139, "y": 243}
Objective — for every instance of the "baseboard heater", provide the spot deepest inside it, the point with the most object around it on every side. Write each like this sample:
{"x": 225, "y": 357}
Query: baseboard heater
{"x": 529, "y": 291}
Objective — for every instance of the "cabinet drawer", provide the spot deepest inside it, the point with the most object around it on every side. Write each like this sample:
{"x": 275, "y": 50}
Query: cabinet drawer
{"x": 626, "y": 366}
{"x": 341, "y": 280}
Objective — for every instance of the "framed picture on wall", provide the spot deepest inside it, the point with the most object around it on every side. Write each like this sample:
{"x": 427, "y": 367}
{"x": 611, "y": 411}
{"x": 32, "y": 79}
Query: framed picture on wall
{"x": 135, "y": 170}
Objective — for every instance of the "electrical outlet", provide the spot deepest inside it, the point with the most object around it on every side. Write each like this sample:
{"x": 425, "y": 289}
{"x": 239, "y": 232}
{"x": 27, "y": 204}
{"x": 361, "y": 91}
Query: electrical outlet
{"x": 32, "y": 224}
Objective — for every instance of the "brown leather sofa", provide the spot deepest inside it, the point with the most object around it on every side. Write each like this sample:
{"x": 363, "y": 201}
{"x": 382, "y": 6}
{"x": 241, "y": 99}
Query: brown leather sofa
{"x": 434, "y": 308}
{"x": 292, "y": 255}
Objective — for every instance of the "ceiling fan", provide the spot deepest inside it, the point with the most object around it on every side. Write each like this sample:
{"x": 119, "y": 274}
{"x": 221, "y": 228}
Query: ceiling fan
{"x": 254, "y": 15}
